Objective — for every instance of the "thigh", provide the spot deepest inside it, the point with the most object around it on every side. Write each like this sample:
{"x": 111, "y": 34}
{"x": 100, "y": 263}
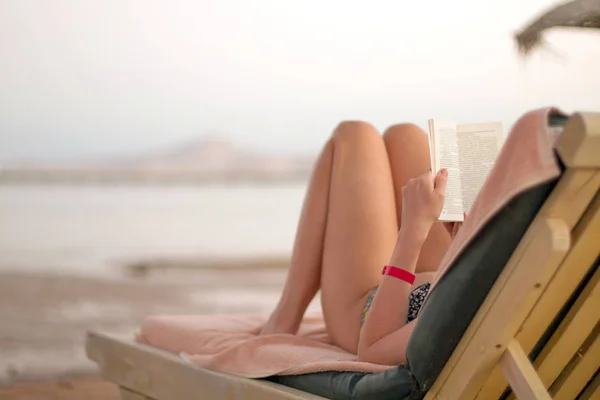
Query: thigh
{"x": 361, "y": 227}
{"x": 408, "y": 149}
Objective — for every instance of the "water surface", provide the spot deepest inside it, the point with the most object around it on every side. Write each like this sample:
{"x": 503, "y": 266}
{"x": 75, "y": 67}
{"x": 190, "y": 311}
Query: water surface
{"x": 90, "y": 229}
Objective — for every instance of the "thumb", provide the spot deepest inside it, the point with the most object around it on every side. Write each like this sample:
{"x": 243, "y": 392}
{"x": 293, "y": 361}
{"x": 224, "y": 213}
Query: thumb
{"x": 441, "y": 179}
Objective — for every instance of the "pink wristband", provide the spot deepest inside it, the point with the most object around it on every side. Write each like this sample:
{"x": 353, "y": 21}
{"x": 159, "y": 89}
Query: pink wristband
{"x": 398, "y": 274}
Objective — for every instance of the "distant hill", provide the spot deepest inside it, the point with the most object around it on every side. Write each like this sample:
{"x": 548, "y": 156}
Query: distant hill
{"x": 214, "y": 154}
{"x": 211, "y": 158}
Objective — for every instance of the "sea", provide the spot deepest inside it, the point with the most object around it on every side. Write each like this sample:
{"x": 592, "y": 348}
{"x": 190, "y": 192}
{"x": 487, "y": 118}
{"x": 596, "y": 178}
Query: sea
{"x": 93, "y": 229}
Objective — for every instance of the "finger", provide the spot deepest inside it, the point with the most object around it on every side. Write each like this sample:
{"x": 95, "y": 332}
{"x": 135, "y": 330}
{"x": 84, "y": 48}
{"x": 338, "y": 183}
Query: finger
{"x": 441, "y": 179}
{"x": 427, "y": 177}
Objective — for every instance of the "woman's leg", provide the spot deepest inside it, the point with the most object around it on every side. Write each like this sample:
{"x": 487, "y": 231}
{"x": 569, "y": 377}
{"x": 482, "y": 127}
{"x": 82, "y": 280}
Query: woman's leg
{"x": 347, "y": 231}
{"x": 349, "y": 225}
{"x": 361, "y": 229}
{"x": 408, "y": 150}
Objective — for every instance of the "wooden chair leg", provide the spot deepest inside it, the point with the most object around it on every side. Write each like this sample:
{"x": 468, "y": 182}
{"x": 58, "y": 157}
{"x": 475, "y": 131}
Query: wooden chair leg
{"x": 521, "y": 375}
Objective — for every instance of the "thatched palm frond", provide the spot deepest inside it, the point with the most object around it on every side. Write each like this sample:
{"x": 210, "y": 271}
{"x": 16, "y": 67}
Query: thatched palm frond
{"x": 577, "y": 13}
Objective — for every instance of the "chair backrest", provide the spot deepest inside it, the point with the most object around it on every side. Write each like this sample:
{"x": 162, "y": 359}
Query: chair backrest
{"x": 553, "y": 266}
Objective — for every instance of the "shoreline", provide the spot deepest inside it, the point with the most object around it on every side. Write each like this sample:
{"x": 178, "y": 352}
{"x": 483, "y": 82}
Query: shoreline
{"x": 145, "y": 266}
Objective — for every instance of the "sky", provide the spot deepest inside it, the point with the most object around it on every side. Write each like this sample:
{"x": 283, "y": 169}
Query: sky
{"x": 83, "y": 78}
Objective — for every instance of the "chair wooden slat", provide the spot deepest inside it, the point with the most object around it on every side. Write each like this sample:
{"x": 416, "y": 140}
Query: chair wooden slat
{"x": 580, "y": 370}
{"x": 156, "y": 374}
{"x": 580, "y": 146}
{"x": 575, "y": 328}
{"x": 592, "y": 391}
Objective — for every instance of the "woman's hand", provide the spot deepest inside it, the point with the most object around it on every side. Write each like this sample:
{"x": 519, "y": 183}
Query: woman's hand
{"x": 422, "y": 202}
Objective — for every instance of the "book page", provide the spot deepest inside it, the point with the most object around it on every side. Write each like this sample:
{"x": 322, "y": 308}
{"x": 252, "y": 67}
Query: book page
{"x": 478, "y": 146}
{"x": 445, "y": 155}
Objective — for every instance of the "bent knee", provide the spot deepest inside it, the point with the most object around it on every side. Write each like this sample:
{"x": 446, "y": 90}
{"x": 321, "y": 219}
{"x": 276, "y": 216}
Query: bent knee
{"x": 355, "y": 131}
{"x": 406, "y": 129}
{"x": 400, "y": 134}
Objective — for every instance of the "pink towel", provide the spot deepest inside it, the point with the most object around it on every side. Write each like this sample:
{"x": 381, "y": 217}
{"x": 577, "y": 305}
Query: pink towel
{"x": 230, "y": 343}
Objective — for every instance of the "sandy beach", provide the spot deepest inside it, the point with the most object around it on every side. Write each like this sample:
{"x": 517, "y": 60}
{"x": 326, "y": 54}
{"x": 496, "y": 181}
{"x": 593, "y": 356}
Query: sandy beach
{"x": 75, "y": 258}
{"x": 45, "y": 318}
{"x": 65, "y": 388}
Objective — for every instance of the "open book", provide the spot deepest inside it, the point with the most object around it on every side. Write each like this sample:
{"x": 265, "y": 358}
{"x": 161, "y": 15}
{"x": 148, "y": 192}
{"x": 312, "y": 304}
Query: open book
{"x": 468, "y": 152}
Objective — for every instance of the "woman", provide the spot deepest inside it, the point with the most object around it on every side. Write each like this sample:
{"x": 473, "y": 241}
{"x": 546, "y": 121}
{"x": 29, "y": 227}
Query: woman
{"x": 372, "y": 202}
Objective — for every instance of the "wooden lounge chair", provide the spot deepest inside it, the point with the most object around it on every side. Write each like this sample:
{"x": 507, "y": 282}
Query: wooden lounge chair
{"x": 535, "y": 333}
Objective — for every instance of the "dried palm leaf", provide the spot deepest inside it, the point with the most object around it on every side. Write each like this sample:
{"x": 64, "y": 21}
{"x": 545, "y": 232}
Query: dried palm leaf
{"x": 575, "y": 14}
